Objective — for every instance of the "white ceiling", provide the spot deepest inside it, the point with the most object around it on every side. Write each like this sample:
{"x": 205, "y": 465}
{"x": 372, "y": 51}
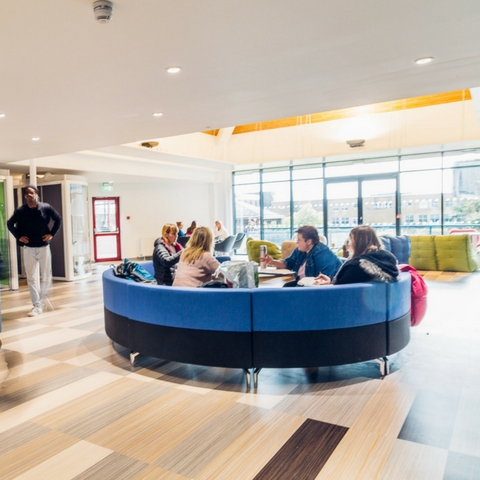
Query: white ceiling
{"x": 81, "y": 85}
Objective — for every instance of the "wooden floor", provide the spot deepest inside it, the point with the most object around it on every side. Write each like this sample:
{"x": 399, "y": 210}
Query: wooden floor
{"x": 71, "y": 405}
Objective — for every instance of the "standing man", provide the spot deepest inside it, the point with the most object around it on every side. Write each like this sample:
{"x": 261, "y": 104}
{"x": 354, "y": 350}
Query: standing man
{"x": 30, "y": 226}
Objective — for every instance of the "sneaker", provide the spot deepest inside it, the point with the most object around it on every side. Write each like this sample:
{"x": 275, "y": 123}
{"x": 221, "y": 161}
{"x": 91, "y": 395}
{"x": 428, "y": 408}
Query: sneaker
{"x": 46, "y": 304}
{"x": 35, "y": 311}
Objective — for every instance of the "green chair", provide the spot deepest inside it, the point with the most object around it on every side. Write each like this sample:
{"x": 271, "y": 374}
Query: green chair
{"x": 253, "y": 249}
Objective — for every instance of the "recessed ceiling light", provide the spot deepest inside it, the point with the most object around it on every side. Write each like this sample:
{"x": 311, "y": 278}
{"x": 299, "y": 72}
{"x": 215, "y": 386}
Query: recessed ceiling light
{"x": 423, "y": 60}
{"x": 173, "y": 69}
{"x": 35, "y": 139}
{"x": 2, "y": 115}
{"x": 157, "y": 114}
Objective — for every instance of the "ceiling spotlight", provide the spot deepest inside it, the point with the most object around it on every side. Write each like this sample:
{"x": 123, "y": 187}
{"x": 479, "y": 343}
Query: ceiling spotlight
{"x": 157, "y": 114}
{"x": 2, "y": 115}
{"x": 102, "y": 9}
{"x": 424, "y": 60}
{"x": 173, "y": 69}
{"x": 35, "y": 139}
{"x": 356, "y": 143}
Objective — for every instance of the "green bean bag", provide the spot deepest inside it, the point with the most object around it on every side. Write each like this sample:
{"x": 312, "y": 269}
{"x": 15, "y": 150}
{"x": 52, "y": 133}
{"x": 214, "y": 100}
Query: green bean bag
{"x": 454, "y": 253}
{"x": 422, "y": 255}
{"x": 253, "y": 249}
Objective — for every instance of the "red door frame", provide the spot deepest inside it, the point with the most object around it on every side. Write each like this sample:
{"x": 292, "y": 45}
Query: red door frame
{"x": 109, "y": 233}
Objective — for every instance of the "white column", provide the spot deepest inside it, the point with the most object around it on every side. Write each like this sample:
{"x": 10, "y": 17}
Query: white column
{"x": 33, "y": 172}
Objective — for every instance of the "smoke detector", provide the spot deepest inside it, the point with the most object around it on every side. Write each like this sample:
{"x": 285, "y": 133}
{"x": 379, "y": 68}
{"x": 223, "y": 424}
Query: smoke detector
{"x": 102, "y": 9}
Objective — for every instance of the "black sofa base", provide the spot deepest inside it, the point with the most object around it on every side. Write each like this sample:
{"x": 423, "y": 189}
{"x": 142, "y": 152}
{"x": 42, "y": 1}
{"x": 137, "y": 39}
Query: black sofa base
{"x": 320, "y": 348}
{"x": 324, "y": 348}
{"x": 201, "y": 347}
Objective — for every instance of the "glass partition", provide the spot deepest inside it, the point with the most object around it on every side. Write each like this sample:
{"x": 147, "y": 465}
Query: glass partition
{"x": 82, "y": 262}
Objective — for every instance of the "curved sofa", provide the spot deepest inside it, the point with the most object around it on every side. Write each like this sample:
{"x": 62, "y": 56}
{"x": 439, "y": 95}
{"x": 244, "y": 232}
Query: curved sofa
{"x": 257, "y": 328}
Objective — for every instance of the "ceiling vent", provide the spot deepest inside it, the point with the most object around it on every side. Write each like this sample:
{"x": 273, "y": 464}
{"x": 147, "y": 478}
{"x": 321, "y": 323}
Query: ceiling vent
{"x": 102, "y": 9}
{"x": 149, "y": 144}
{"x": 356, "y": 143}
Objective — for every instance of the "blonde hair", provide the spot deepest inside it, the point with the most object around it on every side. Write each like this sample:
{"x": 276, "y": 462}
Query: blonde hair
{"x": 200, "y": 242}
{"x": 168, "y": 228}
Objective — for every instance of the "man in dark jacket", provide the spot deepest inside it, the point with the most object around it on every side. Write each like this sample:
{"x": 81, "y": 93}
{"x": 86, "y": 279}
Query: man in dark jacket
{"x": 30, "y": 226}
{"x": 310, "y": 258}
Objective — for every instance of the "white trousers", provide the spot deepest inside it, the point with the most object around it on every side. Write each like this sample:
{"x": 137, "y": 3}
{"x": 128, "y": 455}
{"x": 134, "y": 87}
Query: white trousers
{"x": 33, "y": 258}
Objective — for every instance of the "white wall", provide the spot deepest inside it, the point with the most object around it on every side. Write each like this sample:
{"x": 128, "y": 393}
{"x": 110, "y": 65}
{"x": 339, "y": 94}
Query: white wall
{"x": 151, "y": 205}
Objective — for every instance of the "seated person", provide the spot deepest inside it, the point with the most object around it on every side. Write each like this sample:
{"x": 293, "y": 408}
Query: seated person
{"x": 220, "y": 233}
{"x": 310, "y": 257}
{"x": 197, "y": 264}
{"x": 191, "y": 228}
{"x": 368, "y": 261}
{"x": 166, "y": 255}
{"x": 181, "y": 233}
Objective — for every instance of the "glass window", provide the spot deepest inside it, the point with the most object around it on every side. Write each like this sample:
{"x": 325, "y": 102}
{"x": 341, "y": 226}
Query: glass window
{"x": 247, "y": 209}
{"x": 417, "y": 189}
{"x": 276, "y": 212}
{"x": 461, "y": 159}
{"x": 362, "y": 167}
{"x": 308, "y": 203}
{"x": 275, "y": 175}
{"x": 462, "y": 198}
{"x": 306, "y": 173}
{"x": 420, "y": 162}
{"x": 240, "y": 178}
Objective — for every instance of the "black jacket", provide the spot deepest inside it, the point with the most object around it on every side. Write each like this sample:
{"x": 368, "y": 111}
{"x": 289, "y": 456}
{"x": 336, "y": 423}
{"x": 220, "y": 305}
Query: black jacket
{"x": 34, "y": 223}
{"x": 379, "y": 265}
{"x": 164, "y": 262}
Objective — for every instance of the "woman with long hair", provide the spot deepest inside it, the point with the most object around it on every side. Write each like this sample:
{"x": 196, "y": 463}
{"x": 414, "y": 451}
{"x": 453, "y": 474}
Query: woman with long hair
{"x": 166, "y": 254}
{"x": 368, "y": 261}
{"x": 197, "y": 264}
{"x": 191, "y": 228}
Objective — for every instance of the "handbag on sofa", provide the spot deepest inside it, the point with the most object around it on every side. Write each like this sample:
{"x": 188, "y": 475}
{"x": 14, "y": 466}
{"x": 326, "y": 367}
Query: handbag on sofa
{"x": 239, "y": 273}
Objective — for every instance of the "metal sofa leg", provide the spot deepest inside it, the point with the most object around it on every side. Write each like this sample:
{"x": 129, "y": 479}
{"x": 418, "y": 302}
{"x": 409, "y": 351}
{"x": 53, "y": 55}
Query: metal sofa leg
{"x": 256, "y": 371}
{"x": 247, "y": 377}
{"x": 384, "y": 366}
{"x": 132, "y": 357}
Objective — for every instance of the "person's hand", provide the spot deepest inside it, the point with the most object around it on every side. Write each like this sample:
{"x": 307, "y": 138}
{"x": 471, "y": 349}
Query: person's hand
{"x": 47, "y": 237}
{"x": 268, "y": 259}
{"x": 322, "y": 280}
{"x": 23, "y": 239}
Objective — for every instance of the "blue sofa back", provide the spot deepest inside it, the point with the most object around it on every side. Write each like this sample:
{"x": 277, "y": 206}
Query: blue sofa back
{"x": 400, "y": 246}
{"x": 335, "y": 306}
{"x": 202, "y": 308}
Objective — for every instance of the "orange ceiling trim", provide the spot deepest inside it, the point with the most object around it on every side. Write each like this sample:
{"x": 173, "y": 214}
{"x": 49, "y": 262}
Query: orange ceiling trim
{"x": 384, "y": 107}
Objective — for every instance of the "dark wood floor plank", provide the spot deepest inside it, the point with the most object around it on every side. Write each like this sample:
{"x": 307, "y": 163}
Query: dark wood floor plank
{"x": 305, "y": 453}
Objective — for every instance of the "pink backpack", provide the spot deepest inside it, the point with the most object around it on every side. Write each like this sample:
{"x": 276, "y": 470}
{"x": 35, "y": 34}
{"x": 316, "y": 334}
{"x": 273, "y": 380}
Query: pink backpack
{"x": 419, "y": 295}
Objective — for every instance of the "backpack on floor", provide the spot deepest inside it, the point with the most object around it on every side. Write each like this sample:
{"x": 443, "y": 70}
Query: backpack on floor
{"x": 418, "y": 296}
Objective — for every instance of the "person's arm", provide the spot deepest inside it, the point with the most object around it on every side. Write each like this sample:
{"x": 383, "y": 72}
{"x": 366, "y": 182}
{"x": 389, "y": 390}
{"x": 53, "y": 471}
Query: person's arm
{"x": 165, "y": 257}
{"x": 211, "y": 264}
{"x": 57, "y": 220}
{"x": 11, "y": 222}
{"x": 326, "y": 262}
{"x": 11, "y": 225}
{"x": 274, "y": 263}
